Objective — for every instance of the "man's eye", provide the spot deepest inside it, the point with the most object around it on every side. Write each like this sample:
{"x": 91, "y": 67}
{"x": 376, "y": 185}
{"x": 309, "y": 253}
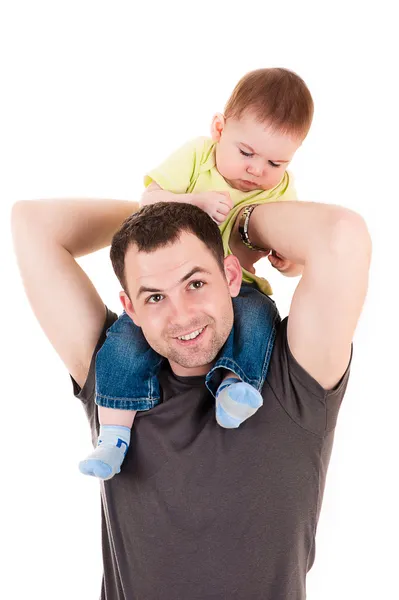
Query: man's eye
{"x": 248, "y": 154}
{"x": 197, "y": 284}
{"x": 154, "y": 299}
{"x": 273, "y": 164}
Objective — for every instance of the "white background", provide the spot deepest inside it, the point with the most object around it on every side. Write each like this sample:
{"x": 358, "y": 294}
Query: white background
{"x": 93, "y": 94}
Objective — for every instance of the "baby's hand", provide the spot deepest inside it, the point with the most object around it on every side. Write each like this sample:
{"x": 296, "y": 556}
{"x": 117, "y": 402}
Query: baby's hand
{"x": 216, "y": 204}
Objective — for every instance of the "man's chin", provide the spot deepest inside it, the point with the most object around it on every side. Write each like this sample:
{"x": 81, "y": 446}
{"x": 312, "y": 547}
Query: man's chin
{"x": 195, "y": 364}
{"x": 196, "y": 359}
{"x": 192, "y": 362}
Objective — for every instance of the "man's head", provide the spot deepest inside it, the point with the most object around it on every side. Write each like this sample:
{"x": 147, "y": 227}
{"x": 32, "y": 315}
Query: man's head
{"x": 265, "y": 121}
{"x": 176, "y": 282}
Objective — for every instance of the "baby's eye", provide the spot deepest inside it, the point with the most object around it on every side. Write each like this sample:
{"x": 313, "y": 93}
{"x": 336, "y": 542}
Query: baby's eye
{"x": 248, "y": 154}
{"x": 273, "y": 164}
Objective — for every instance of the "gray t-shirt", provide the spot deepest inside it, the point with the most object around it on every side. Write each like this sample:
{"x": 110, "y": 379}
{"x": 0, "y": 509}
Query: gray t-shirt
{"x": 199, "y": 512}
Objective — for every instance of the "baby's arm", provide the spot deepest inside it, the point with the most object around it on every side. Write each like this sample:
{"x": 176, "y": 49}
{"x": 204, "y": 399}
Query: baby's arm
{"x": 216, "y": 204}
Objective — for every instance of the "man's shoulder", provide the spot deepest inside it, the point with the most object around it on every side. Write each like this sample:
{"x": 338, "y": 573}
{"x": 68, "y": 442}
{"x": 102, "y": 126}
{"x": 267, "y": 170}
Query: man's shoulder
{"x": 307, "y": 403}
{"x": 110, "y": 318}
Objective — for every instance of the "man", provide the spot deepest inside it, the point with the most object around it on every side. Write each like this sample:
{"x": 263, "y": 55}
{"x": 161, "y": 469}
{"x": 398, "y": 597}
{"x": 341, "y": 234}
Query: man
{"x": 198, "y": 511}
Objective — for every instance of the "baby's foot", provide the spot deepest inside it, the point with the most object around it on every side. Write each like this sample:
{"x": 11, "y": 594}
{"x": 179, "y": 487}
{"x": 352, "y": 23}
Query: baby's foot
{"x": 236, "y": 401}
{"x": 106, "y": 460}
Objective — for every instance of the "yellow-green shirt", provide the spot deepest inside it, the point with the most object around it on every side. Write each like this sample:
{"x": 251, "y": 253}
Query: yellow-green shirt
{"x": 192, "y": 169}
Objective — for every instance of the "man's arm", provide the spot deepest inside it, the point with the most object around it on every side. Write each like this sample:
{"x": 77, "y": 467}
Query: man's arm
{"x": 48, "y": 236}
{"x": 334, "y": 246}
{"x": 284, "y": 266}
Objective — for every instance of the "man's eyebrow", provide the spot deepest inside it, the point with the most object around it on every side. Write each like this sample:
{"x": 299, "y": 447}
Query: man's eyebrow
{"x": 253, "y": 152}
{"x": 193, "y": 271}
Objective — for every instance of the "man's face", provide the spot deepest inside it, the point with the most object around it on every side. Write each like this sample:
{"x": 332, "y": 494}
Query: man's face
{"x": 179, "y": 290}
{"x": 251, "y": 155}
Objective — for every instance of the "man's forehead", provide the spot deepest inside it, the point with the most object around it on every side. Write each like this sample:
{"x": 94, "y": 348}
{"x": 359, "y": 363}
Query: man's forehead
{"x": 167, "y": 265}
{"x": 158, "y": 270}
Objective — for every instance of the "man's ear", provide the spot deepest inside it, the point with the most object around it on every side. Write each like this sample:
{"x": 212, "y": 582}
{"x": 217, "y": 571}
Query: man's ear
{"x": 217, "y": 126}
{"x": 233, "y": 272}
{"x": 128, "y": 307}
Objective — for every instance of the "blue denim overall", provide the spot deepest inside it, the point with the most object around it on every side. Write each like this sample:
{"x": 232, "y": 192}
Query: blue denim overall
{"x": 127, "y": 367}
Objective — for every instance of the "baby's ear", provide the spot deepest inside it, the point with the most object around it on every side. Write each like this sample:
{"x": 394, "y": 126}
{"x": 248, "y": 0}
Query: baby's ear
{"x": 218, "y": 123}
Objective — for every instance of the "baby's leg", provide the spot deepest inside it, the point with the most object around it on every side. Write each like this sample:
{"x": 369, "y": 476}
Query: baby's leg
{"x": 126, "y": 369}
{"x": 113, "y": 441}
{"x": 236, "y": 401}
{"x": 248, "y": 348}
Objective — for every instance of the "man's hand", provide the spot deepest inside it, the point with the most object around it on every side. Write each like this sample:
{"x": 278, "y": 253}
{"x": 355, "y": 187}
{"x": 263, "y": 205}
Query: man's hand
{"x": 246, "y": 256}
{"x": 333, "y": 244}
{"x": 285, "y": 266}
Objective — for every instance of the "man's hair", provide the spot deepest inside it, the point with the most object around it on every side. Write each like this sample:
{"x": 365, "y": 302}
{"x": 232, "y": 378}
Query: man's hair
{"x": 276, "y": 96}
{"x": 159, "y": 225}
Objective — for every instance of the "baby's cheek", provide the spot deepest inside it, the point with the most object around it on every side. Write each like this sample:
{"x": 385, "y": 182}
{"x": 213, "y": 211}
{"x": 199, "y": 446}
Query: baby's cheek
{"x": 234, "y": 168}
{"x": 227, "y": 161}
{"x": 273, "y": 179}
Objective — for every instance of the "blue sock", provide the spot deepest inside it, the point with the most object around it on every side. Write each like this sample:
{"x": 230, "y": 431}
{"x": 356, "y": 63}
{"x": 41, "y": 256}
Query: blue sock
{"x": 106, "y": 460}
{"x": 236, "y": 401}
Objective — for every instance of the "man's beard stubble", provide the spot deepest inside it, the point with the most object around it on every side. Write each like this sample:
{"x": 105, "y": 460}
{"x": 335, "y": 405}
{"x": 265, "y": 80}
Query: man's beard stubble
{"x": 191, "y": 357}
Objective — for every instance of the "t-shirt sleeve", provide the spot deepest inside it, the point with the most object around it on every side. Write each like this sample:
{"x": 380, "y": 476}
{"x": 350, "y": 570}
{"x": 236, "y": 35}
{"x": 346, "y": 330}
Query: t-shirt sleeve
{"x": 179, "y": 170}
{"x": 86, "y": 393}
{"x": 301, "y": 396}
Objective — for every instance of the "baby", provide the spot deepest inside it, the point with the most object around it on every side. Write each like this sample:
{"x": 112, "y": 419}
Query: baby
{"x": 242, "y": 164}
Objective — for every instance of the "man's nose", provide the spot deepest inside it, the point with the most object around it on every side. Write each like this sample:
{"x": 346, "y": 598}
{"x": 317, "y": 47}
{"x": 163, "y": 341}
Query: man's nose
{"x": 180, "y": 310}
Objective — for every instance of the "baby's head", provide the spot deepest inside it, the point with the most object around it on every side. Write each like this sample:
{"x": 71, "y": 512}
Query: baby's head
{"x": 265, "y": 121}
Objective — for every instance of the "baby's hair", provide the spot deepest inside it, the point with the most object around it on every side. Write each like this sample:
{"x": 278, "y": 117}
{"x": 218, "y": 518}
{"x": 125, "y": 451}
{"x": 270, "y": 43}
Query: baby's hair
{"x": 277, "y": 97}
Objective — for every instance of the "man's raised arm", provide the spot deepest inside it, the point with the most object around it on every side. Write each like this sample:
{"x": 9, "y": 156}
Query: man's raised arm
{"x": 48, "y": 236}
{"x": 334, "y": 246}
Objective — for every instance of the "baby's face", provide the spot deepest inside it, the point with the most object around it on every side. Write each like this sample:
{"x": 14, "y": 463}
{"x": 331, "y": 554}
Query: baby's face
{"x": 250, "y": 155}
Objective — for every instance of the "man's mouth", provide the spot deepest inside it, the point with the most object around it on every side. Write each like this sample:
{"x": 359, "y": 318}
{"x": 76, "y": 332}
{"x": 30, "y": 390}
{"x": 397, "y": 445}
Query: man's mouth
{"x": 191, "y": 336}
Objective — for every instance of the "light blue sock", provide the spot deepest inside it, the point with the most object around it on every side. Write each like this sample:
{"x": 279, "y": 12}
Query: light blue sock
{"x": 106, "y": 460}
{"x": 236, "y": 401}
